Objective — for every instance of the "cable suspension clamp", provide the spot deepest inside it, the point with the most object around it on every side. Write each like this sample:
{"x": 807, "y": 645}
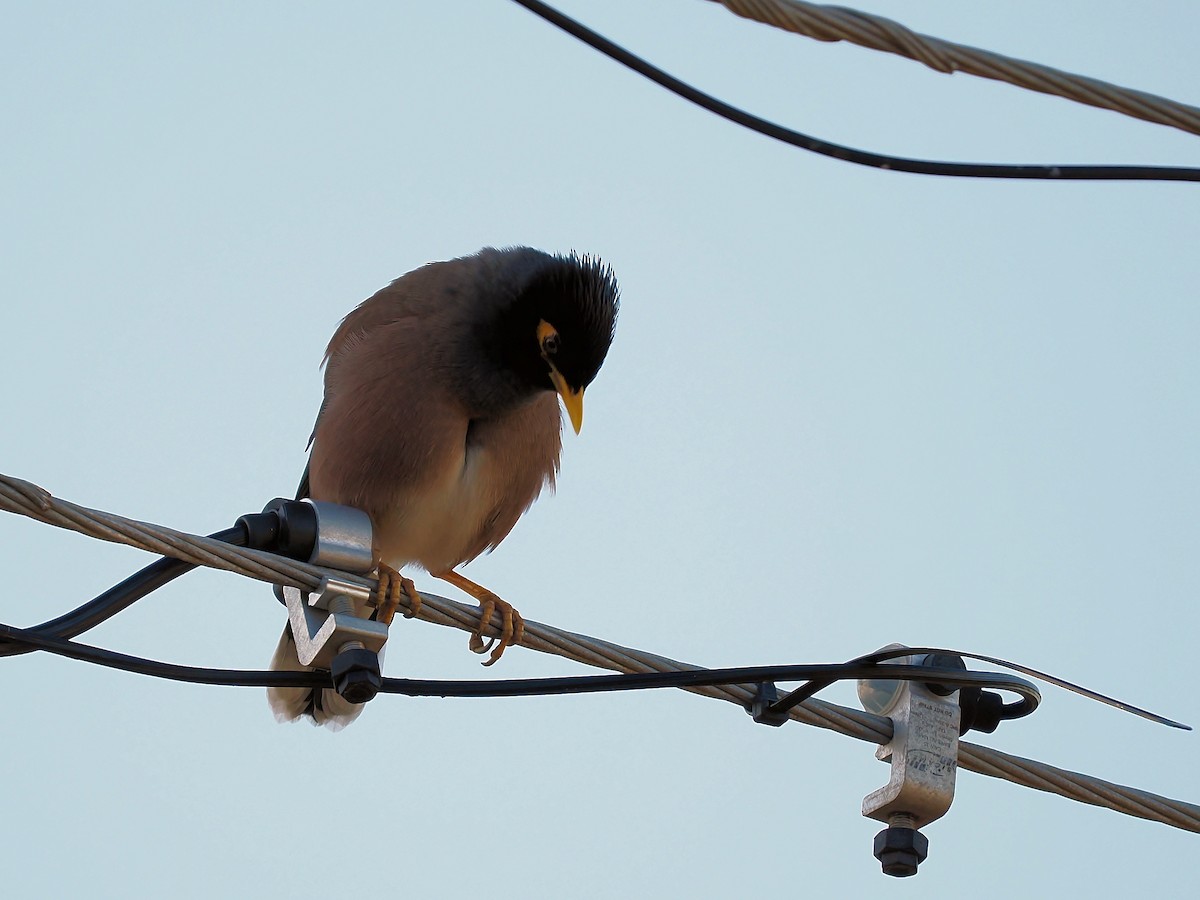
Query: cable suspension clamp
{"x": 328, "y": 629}
{"x": 923, "y": 753}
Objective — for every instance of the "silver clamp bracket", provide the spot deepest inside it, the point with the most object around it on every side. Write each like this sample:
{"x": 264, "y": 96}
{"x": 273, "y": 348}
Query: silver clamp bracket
{"x": 328, "y": 625}
{"x": 329, "y": 635}
{"x": 324, "y": 621}
{"x": 344, "y": 538}
{"x": 923, "y": 753}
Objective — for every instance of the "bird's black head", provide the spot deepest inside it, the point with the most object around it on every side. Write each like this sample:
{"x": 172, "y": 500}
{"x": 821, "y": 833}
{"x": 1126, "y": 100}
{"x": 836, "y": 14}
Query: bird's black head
{"x": 576, "y": 298}
{"x": 553, "y": 321}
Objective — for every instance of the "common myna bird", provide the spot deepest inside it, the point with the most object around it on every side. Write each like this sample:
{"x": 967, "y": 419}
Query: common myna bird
{"x": 441, "y": 421}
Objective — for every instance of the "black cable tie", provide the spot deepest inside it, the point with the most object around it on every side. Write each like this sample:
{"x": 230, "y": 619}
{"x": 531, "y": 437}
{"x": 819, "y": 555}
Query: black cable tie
{"x": 765, "y": 697}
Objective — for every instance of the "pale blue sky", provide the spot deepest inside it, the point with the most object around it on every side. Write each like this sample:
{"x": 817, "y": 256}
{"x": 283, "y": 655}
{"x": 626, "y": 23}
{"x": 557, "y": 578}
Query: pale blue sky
{"x": 844, "y": 408}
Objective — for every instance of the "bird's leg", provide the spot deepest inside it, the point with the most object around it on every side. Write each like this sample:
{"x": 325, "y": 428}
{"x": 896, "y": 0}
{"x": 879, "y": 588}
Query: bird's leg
{"x": 391, "y": 584}
{"x": 513, "y": 628}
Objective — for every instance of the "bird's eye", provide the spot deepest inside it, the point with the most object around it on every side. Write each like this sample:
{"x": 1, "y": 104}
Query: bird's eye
{"x": 547, "y": 336}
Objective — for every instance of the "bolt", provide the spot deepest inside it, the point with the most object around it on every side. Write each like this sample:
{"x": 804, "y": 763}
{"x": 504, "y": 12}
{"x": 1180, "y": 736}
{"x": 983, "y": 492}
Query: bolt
{"x": 340, "y": 605}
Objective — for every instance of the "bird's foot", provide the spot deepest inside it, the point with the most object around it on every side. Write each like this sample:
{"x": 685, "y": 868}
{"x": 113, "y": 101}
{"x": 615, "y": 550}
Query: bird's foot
{"x": 512, "y": 630}
{"x": 391, "y": 585}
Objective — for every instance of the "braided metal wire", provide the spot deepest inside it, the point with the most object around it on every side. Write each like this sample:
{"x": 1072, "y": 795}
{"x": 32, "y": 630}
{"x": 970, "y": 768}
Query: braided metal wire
{"x": 24, "y": 498}
{"x": 836, "y": 23}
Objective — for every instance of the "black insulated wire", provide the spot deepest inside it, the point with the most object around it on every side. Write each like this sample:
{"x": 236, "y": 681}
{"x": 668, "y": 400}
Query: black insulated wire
{"x": 1010, "y": 711}
{"x": 838, "y": 151}
{"x": 531, "y": 687}
{"x": 117, "y": 598}
{"x": 818, "y": 676}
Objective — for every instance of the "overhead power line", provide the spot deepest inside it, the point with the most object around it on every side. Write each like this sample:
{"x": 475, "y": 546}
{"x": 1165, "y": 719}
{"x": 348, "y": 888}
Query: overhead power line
{"x": 837, "y": 23}
{"x": 27, "y": 499}
{"x": 1050, "y": 172}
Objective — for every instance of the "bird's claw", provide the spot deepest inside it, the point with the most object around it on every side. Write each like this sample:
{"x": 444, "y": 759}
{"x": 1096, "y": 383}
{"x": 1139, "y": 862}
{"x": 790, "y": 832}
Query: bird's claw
{"x": 512, "y": 628}
{"x": 479, "y": 645}
{"x": 391, "y": 585}
{"x": 512, "y": 625}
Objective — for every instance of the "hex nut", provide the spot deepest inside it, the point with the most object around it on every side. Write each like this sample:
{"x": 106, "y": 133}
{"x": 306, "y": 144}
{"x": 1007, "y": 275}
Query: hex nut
{"x": 901, "y": 850}
{"x": 356, "y": 675}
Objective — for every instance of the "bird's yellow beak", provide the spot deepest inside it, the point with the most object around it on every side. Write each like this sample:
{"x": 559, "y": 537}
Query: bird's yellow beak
{"x": 572, "y": 399}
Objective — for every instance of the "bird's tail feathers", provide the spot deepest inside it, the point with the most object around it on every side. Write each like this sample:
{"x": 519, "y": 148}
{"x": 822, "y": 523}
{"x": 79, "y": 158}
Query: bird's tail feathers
{"x": 322, "y": 706}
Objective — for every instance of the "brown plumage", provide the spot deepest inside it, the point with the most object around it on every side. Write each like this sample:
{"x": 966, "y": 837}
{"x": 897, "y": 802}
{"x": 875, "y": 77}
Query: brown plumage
{"x": 441, "y": 418}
